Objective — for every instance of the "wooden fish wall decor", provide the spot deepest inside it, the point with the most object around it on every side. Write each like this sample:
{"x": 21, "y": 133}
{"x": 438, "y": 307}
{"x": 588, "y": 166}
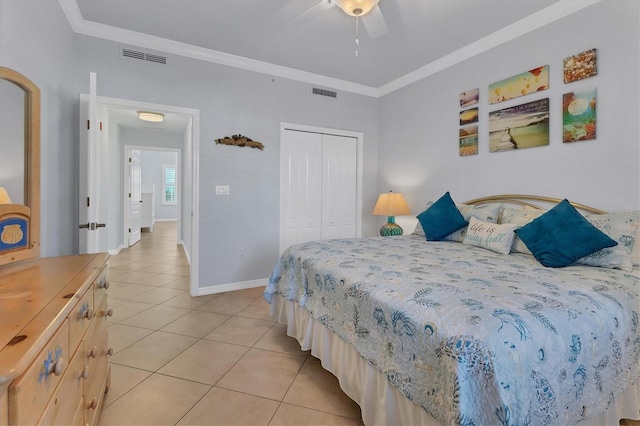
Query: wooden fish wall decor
{"x": 239, "y": 140}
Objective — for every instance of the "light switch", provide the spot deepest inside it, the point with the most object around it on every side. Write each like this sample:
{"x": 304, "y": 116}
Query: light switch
{"x": 222, "y": 189}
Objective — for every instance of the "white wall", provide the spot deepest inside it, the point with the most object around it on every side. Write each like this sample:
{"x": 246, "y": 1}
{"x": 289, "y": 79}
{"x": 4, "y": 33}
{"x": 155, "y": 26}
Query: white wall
{"x": 233, "y": 101}
{"x": 419, "y": 124}
{"x": 37, "y": 41}
{"x": 152, "y": 163}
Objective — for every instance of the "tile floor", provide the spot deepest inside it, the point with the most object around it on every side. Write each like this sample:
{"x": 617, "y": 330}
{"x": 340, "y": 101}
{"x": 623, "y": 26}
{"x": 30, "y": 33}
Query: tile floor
{"x": 210, "y": 360}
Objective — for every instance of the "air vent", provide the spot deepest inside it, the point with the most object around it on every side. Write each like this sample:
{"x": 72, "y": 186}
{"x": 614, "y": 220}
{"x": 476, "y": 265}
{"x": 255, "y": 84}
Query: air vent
{"x": 134, "y": 54}
{"x": 324, "y": 92}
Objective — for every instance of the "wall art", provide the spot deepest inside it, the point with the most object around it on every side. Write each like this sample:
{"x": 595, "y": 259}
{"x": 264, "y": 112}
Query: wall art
{"x": 523, "y": 84}
{"x": 469, "y": 116}
{"x": 239, "y": 140}
{"x": 580, "y": 66}
{"x": 469, "y": 97}
{"x": 468, "y": 140}
{"x": 520, "y": 126}
{"x": 579, "y": 115}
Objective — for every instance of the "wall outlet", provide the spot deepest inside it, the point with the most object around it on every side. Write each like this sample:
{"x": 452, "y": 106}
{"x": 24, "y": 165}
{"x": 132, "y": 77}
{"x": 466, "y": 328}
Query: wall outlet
{"x": 222, "y": 190}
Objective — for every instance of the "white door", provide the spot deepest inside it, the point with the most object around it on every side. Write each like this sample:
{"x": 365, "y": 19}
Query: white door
{"x": 338, "y": 187}
{"x": 91, "y": 223}
{"x": 135, "y": 197}
{"x": 301, "y": 187}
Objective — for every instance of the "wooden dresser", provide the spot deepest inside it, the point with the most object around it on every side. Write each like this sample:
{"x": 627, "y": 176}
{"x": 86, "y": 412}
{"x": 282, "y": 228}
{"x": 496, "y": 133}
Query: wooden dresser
{"x": 54, "y": 349}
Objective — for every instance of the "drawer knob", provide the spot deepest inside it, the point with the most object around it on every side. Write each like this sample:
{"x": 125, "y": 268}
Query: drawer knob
{"x": 109, "y": 351}
{"x": 103, "y": 284}
{"x": 110, "y": 313}
{"x": 94, "y": 403}
{"x": 88, "y": 314}
{"x": 57, "y": 367}
{"x": 85, "y": 373}
{"x": 93, "y": 352}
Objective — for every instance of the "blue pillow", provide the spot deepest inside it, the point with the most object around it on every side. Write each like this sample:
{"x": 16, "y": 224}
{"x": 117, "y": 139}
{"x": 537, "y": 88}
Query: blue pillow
{"x": 561, "y": 236}
{"x": 441, "y": 219}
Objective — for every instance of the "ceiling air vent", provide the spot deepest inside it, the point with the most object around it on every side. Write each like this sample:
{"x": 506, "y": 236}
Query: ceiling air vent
{"x": 134, "y": 54}
{"x": 324, "y": 92}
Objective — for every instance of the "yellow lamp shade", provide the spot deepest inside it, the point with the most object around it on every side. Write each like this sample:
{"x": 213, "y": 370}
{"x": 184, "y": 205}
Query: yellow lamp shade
{"x": 391, "y": 204}
{"x": 4, "y": 196}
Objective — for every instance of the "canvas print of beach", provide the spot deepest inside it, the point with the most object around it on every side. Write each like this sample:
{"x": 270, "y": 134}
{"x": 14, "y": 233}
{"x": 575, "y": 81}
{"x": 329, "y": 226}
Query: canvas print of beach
{"x": 579, "y": 115}
{"x": 469, "y": 97}
{"x": 519, "y": 127}
{"x": 468, "y": 141}
{"x": 523, "y": 84}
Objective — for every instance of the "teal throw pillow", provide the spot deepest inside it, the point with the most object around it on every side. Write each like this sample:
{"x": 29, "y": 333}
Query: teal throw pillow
{"x": 561, "y": 236}
{"x": 441, "y": 219}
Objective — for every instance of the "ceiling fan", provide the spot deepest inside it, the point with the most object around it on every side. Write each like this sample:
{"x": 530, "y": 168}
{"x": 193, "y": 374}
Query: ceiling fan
{"x": 366, "y": 10}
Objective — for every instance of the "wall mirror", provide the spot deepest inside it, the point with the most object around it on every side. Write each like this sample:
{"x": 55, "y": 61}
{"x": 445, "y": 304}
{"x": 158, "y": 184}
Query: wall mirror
{"x": 19, "y": 167}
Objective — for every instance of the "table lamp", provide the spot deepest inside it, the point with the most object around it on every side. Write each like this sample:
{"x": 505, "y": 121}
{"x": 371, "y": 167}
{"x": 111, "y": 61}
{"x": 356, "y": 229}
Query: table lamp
{"x": 4, "y": 196}
{"x": 391, "y": 204}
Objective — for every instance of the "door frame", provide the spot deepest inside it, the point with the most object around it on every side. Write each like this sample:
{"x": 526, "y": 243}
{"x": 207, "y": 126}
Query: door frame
{"x": 359, "y": 136}
{"x": 126, "y": 219}
{"x": 192, "y": 154}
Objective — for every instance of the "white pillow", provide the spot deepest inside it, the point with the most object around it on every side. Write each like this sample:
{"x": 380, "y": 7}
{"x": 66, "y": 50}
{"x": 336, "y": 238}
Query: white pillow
{"x": 519, "y": 217}
{"x": 633, "y": 217}
{"x": 489, "y": 235}
{"x": 619, "y": 228}
{"x": 484, "y": 212}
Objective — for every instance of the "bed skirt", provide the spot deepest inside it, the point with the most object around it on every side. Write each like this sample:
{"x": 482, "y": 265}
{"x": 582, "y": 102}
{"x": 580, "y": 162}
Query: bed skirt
{"x": 381, "y": 403}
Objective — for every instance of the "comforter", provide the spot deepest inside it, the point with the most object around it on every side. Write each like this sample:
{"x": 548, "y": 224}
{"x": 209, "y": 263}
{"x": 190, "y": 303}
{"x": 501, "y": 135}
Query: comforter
{"x": 472, "y": 336}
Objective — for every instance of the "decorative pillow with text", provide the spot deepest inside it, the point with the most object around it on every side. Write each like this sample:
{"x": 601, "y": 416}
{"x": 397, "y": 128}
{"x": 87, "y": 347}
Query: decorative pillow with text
{"x": 489, "y": 235}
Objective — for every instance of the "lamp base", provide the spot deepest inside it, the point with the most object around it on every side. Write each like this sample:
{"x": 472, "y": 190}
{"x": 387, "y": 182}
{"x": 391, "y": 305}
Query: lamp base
{"x": 390, "y": 228}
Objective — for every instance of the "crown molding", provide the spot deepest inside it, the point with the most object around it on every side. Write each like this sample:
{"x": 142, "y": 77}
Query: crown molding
{"x": 537, "y": 20}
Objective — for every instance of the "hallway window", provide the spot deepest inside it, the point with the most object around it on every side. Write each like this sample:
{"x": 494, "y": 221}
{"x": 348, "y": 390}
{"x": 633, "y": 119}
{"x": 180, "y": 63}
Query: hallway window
{"x": 169, "y": 184}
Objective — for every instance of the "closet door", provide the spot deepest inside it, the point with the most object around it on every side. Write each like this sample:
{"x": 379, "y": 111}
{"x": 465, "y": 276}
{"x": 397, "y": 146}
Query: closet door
{"x": 338, "y": 187}
{"x": 301, "y": 188}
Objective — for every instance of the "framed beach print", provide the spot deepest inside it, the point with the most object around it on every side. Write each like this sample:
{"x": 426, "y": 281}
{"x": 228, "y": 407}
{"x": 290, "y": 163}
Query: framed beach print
{"x": 469, "y": 116}
{"x": 519, "y": 127}
{"x": 468, "y": 140}
{"x": 469, "y": 97}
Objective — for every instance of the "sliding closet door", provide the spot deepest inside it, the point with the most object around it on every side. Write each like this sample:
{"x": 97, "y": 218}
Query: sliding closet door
{"x": 338, "y": 187}
{"x": 300, "y": 186}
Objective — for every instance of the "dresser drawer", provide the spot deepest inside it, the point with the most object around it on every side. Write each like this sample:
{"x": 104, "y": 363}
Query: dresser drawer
{"x": 65, "y": 403}
{"x": 100, "y": 286}
{"x": 30, "y": 393}
{"x": 80, "y": 319}
{"x": 97, "y": 350}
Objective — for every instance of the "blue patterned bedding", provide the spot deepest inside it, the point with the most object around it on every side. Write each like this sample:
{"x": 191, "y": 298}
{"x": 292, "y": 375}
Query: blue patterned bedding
{"x": 472, "y": 336}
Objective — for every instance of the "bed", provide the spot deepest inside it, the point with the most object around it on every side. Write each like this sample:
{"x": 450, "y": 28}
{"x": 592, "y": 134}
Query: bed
{"x": 451, "y": 332}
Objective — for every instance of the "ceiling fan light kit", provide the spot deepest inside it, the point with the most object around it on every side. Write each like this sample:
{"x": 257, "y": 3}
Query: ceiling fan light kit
{"x": 356, "y": 7}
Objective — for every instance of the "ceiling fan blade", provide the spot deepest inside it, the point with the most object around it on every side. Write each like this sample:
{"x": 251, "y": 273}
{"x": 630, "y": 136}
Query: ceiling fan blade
{"x": 374, "y": 23}
{"x": 300, "y": 10}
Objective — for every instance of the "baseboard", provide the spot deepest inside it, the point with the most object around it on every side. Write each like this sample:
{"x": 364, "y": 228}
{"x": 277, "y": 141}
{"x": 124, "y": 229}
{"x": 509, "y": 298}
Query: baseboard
{"x": 221, "y": 288}
{"x": 185, "y": 251}
{"x": 115, "y": 251}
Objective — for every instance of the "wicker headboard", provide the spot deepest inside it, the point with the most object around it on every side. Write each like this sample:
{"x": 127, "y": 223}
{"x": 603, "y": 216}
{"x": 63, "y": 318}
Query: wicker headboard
{"x": 530, "y": 200}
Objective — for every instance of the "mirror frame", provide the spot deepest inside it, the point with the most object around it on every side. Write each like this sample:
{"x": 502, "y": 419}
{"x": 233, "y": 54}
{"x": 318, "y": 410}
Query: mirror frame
{"x": 28, "y": 214}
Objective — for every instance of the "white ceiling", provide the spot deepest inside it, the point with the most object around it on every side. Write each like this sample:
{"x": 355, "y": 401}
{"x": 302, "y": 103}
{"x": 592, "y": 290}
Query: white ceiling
{"x": 313, "y": 40}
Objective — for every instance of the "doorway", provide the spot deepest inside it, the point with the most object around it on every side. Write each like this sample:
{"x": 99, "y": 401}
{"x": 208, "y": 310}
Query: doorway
{"x": 122, "y": 113}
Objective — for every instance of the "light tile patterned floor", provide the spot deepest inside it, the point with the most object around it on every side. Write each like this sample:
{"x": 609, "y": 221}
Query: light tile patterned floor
{"x": 210, "y": 360}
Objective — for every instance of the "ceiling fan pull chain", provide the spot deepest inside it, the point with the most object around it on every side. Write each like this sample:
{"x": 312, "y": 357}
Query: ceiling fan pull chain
{"x": 357, "y": 41}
